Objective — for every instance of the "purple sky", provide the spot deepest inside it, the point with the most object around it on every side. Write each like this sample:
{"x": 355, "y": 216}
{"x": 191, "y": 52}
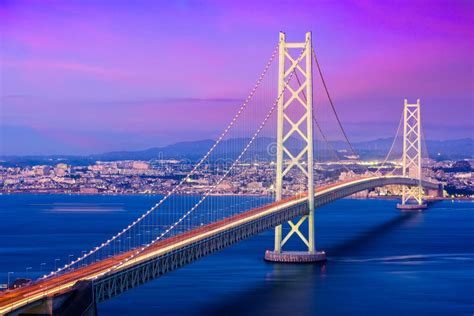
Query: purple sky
{"x": 82, "y": 77}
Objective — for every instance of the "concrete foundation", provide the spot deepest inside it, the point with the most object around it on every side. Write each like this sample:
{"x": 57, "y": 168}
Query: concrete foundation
{"x": 411, "y": 207}
{"x": 295, "y": 256}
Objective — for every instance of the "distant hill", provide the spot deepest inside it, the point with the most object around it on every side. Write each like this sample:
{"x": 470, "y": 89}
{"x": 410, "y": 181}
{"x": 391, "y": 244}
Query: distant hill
{"x": 179, "y": 150}
{"x": 437, "y": 149}
{"x": 264, "y": 148}
{"x": 451, "y": 149}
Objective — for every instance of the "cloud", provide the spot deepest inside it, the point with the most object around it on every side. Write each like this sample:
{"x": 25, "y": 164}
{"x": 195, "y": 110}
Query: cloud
{"x": 67, "y": 66}
{"x": 166, "y": 71}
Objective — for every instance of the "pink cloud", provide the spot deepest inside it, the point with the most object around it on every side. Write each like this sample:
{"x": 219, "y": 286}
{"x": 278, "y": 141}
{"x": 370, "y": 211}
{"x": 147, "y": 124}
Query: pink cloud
{"x": 77, "y": 140}
{"x": 414, "y": 67}
{"x": 156, "y": 68}
{"x": 68, "y": 66}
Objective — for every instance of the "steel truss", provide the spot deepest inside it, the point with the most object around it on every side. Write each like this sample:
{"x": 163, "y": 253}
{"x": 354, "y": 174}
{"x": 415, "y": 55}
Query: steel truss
{"x": 412, "y": 151}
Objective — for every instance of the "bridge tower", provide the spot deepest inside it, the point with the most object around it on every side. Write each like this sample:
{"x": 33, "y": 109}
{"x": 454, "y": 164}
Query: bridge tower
{"x": 298, "y": 124}
{"x": 412, "y": 197}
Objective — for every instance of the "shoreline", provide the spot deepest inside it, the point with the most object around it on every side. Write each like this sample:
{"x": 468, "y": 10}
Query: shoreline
{"x": 392, "y": 197}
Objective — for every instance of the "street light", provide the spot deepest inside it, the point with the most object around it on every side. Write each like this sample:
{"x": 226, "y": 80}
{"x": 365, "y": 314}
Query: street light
{"x": 139, "y": 239}
{"x": 8, "y": 278}
{"x": 55, "y": 263}
{"x": 129, "y": 242}
{"x": 69, "y": 261}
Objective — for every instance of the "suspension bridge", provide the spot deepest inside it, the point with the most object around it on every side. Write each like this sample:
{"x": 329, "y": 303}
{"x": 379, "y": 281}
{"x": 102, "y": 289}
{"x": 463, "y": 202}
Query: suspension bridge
{"x": 177, "y": 231}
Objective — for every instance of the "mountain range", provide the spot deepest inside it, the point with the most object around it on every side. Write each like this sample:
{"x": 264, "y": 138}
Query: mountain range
{"x": 263, "y": 148}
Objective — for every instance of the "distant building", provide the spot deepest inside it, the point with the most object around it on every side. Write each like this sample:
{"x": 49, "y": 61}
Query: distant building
{"x": 41, "y": 170}
{"x": 225, "y": 186}
{"x": 64, "y": 180}
{"x": 347, "y": 175}
{"x": 463, "y": 175}
{"x": 61, "y": 169}
{"x": 254, "y": 185}
{"x": 140, "y": 165}
{"x": 88, "y": 190}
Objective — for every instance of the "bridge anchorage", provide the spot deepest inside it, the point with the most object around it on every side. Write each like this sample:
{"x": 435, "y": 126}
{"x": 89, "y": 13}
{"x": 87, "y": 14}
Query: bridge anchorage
{"x": 303, "y": 159}
{"x": 412, "y": 197}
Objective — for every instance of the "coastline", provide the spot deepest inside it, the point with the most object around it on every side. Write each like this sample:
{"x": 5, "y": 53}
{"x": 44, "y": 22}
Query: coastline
{"x": 385, "y": 197}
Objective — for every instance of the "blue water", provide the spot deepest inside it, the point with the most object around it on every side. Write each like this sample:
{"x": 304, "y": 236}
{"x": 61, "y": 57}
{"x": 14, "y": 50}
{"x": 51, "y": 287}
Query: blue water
{"x": 380, "y": 261}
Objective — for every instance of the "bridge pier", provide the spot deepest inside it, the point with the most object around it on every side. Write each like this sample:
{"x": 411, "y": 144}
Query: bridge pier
{"x": 431, "y": 195}
{"x": 295, "y": 256}
{"x": 412, "y": 207}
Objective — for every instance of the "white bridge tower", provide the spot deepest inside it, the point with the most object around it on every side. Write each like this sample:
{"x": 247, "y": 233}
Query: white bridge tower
{"x": 295, "y": 121}
{"x": 412, "y": 197}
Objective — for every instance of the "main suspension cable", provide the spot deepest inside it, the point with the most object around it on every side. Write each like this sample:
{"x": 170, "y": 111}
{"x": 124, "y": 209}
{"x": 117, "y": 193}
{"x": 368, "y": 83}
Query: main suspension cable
{"x": 392, "y": 146}
{"x": 332, "y": 104}
{"x": 331, "y": 148}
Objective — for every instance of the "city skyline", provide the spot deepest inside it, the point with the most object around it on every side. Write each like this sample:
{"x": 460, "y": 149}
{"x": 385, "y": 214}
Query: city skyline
{"x": 80, "y": 78}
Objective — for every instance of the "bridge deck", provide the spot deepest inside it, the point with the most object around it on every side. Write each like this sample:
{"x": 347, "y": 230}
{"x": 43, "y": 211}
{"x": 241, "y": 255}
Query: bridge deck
{"x": 14, "y": 299}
